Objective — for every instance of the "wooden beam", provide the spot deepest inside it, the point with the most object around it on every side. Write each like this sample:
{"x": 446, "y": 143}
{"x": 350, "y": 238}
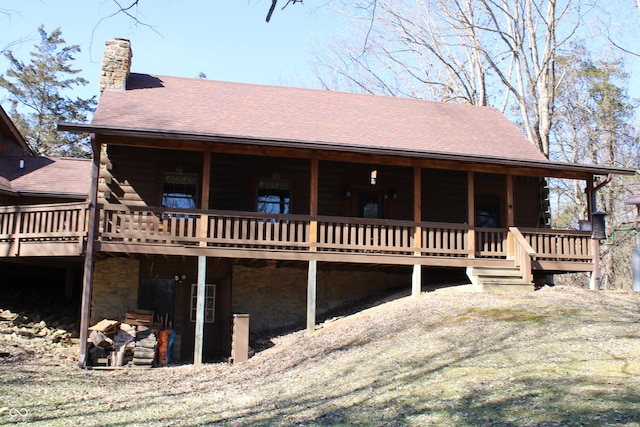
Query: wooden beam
{"x": 471, "y": 213}
{"x": 416, "y": 276}
{"x": 206, "y": 179}
{"x": 311, "y": 296}
{"x": 313, "y": 204}
{"x": 338, "y": 156}
{"x": 204, "y": 202}
{"x": 313, "y": 189}
{"x": 87, "y": 278}
{"x": 200, "y": 295}
{"x": 590, "y": 197}
{"x": 510, "y": 216}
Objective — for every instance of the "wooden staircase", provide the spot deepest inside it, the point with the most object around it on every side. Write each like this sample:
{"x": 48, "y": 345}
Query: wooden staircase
{"x": 498, "y": 279}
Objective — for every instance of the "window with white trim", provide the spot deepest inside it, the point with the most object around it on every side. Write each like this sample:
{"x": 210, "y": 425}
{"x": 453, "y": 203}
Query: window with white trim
{"x": 209, "y": 302}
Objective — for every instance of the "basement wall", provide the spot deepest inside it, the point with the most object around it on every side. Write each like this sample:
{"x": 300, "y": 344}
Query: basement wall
{"x": 275, "y": 297}
{"x": 115, "y": 288}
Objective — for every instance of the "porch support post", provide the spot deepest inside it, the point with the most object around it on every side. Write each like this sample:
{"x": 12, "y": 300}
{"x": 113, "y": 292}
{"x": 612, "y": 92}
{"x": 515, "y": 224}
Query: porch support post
{"x": 313, "y": 239}
{"x": 87, "y": 278}
{"x": 416, "y": 281}
{"x": 511, "y": 250}
{"x": 204, "y": 197}
{"x": 471, "y": 213}
{"x": 199, "y": 339}
{"x": 416, "y": 276}
{"x": 311, "y": 296}
{"x": 313, "y": 205}
{"x": 594, "y": 282}
{"x": 590, "y": 197}
{"x": 206, "y": 176}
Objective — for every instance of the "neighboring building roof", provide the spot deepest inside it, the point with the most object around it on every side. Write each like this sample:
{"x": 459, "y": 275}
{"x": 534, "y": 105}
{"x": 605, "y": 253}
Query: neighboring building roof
{"x": 308, "y": 116}
{"x": 45, "y": 176}
{"x": 8, "y": 128}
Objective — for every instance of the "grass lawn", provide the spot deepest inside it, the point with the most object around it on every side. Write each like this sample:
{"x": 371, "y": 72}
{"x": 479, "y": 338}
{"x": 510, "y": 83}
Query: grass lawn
{"x": 556, "y": 357}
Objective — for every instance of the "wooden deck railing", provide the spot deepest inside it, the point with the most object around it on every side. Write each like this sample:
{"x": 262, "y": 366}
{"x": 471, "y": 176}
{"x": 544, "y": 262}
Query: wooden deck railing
{"x": 559, "y": 245}
{"x": 64, "y": 224}
{"x": 279, "y": 233}
{"x": 524, "y": 254}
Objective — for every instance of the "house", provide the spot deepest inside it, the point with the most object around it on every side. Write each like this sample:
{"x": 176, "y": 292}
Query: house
{"x": 31, "y": 187}
{"x": 212, "y": 198}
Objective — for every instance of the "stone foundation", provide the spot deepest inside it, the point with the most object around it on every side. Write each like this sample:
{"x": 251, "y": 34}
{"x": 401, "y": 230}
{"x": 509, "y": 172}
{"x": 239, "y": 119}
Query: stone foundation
{"x": 277, "y": 297}
{"x": 115, "y": 288}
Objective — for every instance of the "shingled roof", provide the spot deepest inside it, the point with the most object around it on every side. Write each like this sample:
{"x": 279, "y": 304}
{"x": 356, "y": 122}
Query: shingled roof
{"x": 45, "y": 176}
{"x": 314, "y": 118}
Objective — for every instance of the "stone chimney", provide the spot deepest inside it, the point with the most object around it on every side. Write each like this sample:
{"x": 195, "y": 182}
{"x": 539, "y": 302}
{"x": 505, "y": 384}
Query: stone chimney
{"x": 116, "y": 64}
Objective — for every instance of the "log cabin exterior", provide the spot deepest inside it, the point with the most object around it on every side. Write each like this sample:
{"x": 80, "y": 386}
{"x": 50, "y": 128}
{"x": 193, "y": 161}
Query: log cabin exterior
{"x": 211, "y": 198}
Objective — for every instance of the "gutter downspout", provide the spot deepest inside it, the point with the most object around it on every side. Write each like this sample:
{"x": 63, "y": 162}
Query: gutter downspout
{"x": 87, "y": 279}
{"x": 594, "y": 282}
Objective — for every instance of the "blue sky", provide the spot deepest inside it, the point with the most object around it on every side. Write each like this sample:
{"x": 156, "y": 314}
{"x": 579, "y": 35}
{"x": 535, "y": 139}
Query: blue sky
{"x": 227, "y": 40}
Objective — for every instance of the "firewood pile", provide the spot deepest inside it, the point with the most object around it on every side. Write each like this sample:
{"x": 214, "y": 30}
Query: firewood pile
{"x": 50, "y": 329}
{"x": 132, "y": 342}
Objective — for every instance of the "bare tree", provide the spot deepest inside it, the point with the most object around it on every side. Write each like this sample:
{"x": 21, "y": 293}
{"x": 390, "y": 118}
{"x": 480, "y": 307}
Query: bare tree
{"x": 484, "y": 52}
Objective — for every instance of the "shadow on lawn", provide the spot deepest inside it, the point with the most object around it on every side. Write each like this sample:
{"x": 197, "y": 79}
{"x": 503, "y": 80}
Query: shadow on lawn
{"x": 481, "y": 382}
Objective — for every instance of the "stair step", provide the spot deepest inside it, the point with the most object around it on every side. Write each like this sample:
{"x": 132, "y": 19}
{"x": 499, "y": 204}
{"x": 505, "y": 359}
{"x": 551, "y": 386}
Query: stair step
{"x": 492, "y": 271}
{"x": 502, "y": 280}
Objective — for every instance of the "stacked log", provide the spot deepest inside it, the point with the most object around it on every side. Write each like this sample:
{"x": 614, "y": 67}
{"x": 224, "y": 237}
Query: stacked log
{"x": 124, "y": 343}
{"x": 114, "y": 344}
{"x": 144, "y": 352}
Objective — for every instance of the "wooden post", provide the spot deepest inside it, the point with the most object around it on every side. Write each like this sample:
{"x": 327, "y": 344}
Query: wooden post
{"x": 510, "y": 217}
{"x": 471, "y": 213}
{"x": 416, "y": 276}
{"x": 199, "y": 339}
{"x": 87, "y": 278}
{"x": 416, "y": 281}
{"x": 313, "y": 238}
{"x": 204, "y": 203}
{"x": 313, "y": 205}
{"x": 311, "y": 296}
{"x": 594, "y": 282}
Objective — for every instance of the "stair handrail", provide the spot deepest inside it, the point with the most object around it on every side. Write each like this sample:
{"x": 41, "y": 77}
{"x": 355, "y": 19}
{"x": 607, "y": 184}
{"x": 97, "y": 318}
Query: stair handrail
{"x": 524, "y": 254}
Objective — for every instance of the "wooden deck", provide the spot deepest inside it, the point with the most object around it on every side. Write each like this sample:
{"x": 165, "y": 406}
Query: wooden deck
{"x": 56, "y": 230}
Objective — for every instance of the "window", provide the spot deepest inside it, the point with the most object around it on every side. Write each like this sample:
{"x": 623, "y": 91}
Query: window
{"x": 209, "y": 302}
{"x": 488, "y": 209}
{"x": 180, "y": 191}
{"x": 369, "y": 204}
{"x": 274, "y": 196}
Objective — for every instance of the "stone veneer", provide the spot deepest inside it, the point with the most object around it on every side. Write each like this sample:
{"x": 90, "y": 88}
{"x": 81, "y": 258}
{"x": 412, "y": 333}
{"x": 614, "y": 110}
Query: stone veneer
{"x": 115, "y": 288}
{"x": 116, "y": 64}
{"x": 276, "y": 297}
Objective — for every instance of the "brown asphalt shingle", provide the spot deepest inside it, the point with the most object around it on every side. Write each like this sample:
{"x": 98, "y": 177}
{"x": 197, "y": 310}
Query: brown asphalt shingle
{"x": 59, "y": 176}
{"x": 206, "y": 107}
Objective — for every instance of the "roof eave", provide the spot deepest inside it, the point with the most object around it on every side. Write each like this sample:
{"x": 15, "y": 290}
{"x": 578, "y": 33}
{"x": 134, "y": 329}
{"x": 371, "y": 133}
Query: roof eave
{"x": 14, "y": 131}
{"x": 319, "y": 145}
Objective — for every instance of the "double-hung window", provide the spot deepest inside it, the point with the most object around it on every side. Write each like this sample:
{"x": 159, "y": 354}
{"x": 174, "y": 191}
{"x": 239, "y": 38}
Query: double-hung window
{"x": 209, "y": 302}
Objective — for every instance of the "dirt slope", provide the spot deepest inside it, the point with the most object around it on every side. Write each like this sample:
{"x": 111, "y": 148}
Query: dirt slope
{"x": 556, "y": 357}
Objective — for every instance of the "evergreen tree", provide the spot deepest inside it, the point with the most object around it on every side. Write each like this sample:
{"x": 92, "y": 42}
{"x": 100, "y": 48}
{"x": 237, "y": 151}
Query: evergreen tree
{"x": 37, "y": 98}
